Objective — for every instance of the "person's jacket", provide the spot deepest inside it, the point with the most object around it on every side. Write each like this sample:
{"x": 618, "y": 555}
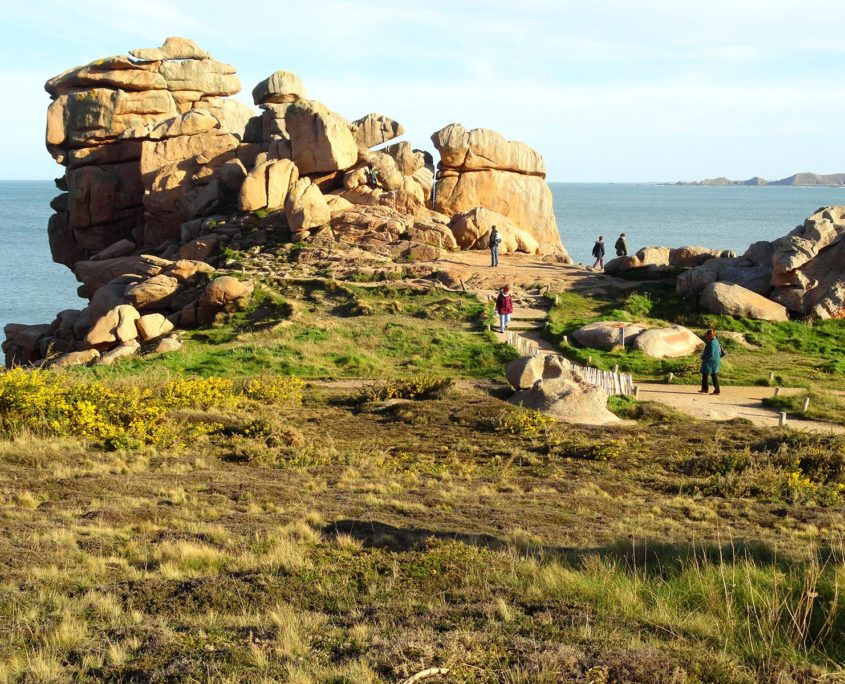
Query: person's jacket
{"x": 621, "y": 247}
{"x": 598, "y": 249}
{"x": 504, "y": 303}
{"x": 711, "y": 357}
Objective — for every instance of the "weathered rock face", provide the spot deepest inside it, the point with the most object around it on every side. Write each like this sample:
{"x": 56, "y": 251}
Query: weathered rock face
{"x": 735, "y": 300}
{"x": 607, "y": 334}
{"x": 320, "y": 140}
{"x": 375, "y": 129}
{"x": 472, "y": 231}
{"x": 803, "y": 270}
{"x": 668, "y": 343}
{"x": 280, "y": 87}
{"x": 480, "y": 168}
{"x": 657, "y": 259}
{"x": 559, "y": 391}
{"x": 142, "y": 138}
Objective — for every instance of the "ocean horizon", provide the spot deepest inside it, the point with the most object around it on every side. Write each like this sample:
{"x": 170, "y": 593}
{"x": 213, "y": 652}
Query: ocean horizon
{"x": 33, "y": 288}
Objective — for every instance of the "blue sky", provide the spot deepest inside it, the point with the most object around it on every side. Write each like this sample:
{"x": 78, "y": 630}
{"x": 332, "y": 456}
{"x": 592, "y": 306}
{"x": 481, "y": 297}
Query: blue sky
{"x": 606, "y": 90}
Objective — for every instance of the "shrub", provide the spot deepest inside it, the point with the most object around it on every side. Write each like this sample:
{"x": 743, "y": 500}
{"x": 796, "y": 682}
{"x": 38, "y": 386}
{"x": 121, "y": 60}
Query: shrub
{"x": 275, "y": 389}
{"x": 418, "y": 387}
{"x": 199, "y": 392}
{"x": 525, "y": 422}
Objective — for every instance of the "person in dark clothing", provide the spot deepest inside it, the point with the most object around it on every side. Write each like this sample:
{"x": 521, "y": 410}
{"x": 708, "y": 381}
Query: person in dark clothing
{"x": 504, "y": 307}
{"x": 372, "y": 177}
{"x": 711, "y": 362}
{"x": 621, "y": 246}
{"x": 495, "y": 240}
{"x": 598, "y": 252}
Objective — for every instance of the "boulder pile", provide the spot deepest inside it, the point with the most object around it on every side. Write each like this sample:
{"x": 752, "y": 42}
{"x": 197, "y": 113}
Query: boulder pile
{"x": 801, "y": 273}
{"x": 163, "y": 169}
{"x": 552, "y": 385}
{"x": 655, "y": 260}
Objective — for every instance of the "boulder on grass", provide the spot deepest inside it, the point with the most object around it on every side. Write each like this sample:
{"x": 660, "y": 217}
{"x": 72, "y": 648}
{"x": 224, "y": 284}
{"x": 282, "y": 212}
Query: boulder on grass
{"x": 223, "y": 290}
{"x": 668, "y": 343}
{"x": 523, "y": 372}
{"x": 735, "y": 300}
{"x": 607, "y": 334}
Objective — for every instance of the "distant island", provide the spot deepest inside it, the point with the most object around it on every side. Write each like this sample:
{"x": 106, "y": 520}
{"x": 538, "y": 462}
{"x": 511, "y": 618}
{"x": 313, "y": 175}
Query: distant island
{"x": 798, "y": 179}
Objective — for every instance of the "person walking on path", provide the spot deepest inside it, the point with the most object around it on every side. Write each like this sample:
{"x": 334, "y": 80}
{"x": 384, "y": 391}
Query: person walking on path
{"x": 711, "y": 362}
{"x": 495, "y": 241}
{"x": 504, "y": 307}
{"x": 598, "y": 252}
{"x": 621, "y": 246}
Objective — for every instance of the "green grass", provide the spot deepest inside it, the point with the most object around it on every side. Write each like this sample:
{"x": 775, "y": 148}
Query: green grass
{"x": 799, "y": 353}
{"x": 321, "y": 329}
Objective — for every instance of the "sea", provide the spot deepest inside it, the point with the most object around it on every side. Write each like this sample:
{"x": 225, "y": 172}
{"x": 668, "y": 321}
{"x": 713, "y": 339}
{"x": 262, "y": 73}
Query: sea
{"x": 33, "y": 288}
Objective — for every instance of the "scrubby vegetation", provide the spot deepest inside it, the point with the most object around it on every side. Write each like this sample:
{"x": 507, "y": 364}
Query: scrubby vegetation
{"x": 228, "y": 513}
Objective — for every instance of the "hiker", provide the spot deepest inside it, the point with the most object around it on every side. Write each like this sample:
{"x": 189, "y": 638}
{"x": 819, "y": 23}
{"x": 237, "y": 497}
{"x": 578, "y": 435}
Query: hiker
{"x": 598, "y": 252}
{"x": 711, "y": 362}
{"x": 495, "y": 241}
{"x": 621, "y": 246}
{"x": 504, "y": 307}
{"x": 372, "y": 177}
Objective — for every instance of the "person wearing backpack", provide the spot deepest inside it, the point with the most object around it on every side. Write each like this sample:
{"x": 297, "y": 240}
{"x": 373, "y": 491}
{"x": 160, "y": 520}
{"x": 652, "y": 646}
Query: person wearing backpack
{"x": 504, "y": 307}
{"x": 711, "y": 362}
{"x": 495, "y": 240}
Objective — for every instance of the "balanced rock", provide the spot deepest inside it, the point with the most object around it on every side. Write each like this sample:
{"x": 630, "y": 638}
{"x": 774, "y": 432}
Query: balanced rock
{"x": 480, "y": 168}
{"x": 668, "y": 343}
{"x": 280, "y": 87}
{"x": 735, "y": 300}
{"x": 607, "y": 334}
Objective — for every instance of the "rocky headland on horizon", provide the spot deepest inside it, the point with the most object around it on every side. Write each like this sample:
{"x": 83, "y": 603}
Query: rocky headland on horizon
{"x": 807, "y": 179}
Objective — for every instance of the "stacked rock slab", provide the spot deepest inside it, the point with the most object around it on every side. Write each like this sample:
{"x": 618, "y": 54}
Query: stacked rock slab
{"x": 804, "y": 271}
{"x": 480, "y": 168}
{"x": 104, "y": 121}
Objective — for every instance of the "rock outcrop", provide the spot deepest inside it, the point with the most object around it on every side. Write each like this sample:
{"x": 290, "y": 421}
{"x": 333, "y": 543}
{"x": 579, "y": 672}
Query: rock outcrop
{"x": 664, "y": 259}
{"x": 735, "y": 300}
{"x": 608, "y": 335}
{"x": 803, "y": 271}
{"x": 480, "y": 168}
{"x": 551, "y": 385}
{"x": 668, "y": 343}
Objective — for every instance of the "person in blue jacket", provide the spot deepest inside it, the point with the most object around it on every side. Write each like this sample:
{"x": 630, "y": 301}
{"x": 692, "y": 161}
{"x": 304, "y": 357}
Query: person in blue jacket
{"x": 711, "y": 362}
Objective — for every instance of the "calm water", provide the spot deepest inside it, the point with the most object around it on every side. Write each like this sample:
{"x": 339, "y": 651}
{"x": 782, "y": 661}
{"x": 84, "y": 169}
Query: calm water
{"x": 33, "y": 289}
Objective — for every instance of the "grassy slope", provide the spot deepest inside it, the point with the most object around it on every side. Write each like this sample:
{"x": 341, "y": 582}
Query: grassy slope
{"x": 352, "y": 542}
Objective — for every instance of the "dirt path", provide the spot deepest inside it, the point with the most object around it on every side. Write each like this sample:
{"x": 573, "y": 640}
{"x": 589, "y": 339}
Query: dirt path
{"x": 472, "y": 270}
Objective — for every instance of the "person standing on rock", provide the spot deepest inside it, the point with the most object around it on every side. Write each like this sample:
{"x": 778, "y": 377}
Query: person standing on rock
{"x": 598, "y": 252}
{"x": 495, "y": 241}
{"x": 504, "y": 307}
{"x": 621, "y": 246}
{"x": 711, "y": 362}
{"x": 372, "y": 177}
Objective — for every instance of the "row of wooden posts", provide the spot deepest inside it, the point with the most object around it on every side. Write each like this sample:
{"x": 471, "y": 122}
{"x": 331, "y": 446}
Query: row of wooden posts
{"x": 613, "y": 382}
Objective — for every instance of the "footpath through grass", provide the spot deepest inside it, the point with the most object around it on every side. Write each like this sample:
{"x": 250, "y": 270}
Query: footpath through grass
{"x": 800, "y": 354}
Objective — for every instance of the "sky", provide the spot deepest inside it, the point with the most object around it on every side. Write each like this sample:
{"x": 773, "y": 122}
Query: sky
{"x": 605, "y": 90}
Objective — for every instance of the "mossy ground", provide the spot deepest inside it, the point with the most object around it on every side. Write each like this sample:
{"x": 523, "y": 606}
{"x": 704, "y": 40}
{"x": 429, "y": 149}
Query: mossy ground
{"x": 349, "y": 539}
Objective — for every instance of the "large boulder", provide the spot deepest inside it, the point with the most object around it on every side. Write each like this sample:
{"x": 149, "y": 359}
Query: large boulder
{"x": 321, "y": 141}
{"x": 480, "y": 168}
{"x": 668, "y": 343}
{"x": 472, "y": 230}
{"x": 375, "y": 129}
{"x": 735, "y": 300}
{"x": 305, "y": 207}
{"x": 267, "y": 185}
{"x": 608, "y": 334}
{"x": 225, "y": 289}
{"x": 738, "y": 270}
{"x": 523, "y": 372}
{"x": 560, "y": 392}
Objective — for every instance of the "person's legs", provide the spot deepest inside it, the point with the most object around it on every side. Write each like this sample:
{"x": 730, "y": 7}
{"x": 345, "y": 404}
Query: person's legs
{"x": 507, "y": 320}
{"x": 704, "y": 387}
{"x": 494, "y": 256}
{"x": 502, "y": 322}
{"x": 715, "y": 377}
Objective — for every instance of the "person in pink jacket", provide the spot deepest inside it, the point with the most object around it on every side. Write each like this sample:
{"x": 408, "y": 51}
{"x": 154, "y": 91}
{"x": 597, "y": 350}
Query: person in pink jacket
{"x": 504, "y": 307}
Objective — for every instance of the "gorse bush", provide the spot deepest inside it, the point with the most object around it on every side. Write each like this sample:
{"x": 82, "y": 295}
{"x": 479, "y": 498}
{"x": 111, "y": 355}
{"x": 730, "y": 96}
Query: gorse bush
{"x": 122, "y": 416}
{"x": 525, "y": 422}
{"x": 418, "y": 387}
